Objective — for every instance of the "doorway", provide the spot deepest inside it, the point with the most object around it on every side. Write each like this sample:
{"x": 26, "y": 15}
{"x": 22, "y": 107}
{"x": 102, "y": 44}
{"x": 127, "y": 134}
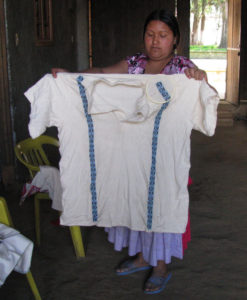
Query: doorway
{"x": 215, "y": 44}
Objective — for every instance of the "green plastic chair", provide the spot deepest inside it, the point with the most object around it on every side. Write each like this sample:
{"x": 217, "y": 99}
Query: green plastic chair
{"x": 31, "y": 153}
{"x": 5, "y": 218}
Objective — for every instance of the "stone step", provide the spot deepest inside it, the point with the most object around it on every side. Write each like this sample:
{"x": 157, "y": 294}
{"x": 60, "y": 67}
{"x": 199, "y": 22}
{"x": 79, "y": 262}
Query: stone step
{"x": 225, "y": 116}
{"x": 224, "y": 122}
{"x": 225, "y": 106}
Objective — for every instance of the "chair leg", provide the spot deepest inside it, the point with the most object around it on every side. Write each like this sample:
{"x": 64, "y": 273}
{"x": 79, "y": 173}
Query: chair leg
{"x": 33, "y": 286}
{"x": 37, "y": 219}
{"x": 77, "y": 241}
{"x": 74, "y": 230}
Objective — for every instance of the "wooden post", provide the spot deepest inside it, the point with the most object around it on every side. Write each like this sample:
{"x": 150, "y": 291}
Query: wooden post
{"x": 6, "y": 153}
{"x": 233, "y": 51}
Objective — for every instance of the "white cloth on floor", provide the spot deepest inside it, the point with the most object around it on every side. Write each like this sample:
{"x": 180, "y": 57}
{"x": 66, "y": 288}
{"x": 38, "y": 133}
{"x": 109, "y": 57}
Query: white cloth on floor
{"x": 15, "y": 252}
{"x": 47, "y": 180}
{"x": 106, "y": 154}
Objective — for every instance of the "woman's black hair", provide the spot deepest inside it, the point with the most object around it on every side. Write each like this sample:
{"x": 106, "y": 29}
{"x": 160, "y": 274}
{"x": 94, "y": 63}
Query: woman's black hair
{"x": 166, "y": 17}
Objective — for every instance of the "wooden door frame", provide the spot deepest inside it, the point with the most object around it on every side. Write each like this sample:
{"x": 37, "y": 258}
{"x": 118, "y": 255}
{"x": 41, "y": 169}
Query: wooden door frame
{"x": 233, "y": 51}
{"x": 6, "y": 133}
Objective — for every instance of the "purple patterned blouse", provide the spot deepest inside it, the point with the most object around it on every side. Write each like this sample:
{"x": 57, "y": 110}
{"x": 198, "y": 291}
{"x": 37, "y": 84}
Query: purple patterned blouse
{"x": 177, "y": 64}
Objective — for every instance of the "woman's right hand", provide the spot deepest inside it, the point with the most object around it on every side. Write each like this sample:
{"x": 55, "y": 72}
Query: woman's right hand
{"x": 54, "y": 71}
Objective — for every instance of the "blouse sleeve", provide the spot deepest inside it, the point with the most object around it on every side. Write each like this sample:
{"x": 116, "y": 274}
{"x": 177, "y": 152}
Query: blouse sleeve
{"x": 205, "y": 113}
{"x": 39, "y": 98}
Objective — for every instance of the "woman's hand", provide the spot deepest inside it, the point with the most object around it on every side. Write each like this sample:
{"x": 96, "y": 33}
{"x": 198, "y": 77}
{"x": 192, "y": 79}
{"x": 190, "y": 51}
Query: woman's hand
{"x": 54, "y": 71}
{"x": 196, "y": 73}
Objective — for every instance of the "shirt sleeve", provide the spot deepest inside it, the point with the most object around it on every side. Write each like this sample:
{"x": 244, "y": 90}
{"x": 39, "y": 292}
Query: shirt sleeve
{"x": 136, "y": 63}
{"x": 40, "y": 100}
{"x": 15, "y": 252}
{"x": 205, "y": 113}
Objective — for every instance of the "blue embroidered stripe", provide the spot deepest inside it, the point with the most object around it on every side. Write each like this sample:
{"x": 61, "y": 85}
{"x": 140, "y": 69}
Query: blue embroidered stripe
{"x": 91, "y": 148}
{"x": 167, "y": 97}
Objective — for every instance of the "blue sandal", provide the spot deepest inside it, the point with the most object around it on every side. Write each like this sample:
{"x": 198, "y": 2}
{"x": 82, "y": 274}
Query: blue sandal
{"x": 131, "y": 268}
{"x": 159, "y": 282}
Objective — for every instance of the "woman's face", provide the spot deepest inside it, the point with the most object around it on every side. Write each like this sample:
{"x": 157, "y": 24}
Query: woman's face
{"x": 159, "y": 40}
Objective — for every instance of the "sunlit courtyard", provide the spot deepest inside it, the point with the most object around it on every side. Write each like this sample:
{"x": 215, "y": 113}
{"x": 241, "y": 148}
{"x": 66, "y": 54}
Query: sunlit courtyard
{"x": 216, "y": 71}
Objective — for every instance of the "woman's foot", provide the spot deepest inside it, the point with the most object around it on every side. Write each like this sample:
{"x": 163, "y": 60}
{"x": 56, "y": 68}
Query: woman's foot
{"x": 133, "y": 265}
{"x": 158, "y": 279}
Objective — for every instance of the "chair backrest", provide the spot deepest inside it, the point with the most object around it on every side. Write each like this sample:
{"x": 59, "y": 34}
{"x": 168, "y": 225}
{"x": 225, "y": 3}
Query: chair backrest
{"x": 31, "y": 152}
{"x": 5, "y": 217}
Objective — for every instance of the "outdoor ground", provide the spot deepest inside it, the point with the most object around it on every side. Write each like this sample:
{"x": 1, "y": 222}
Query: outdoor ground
{"x": 216, "y": 72}
{"x": 214, "y": 266}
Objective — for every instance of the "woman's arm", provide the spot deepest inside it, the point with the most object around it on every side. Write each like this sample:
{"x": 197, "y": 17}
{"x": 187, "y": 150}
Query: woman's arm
{"x": 119, "y": 68}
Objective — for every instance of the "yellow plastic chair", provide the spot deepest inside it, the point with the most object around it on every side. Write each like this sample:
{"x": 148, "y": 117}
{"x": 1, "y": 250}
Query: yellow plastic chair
{"x": 31, "y": 153}
{"x": 5, "y": 218}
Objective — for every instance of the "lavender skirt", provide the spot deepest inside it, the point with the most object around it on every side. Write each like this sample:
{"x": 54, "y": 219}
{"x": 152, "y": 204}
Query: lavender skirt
{"x": 154, "y": 246}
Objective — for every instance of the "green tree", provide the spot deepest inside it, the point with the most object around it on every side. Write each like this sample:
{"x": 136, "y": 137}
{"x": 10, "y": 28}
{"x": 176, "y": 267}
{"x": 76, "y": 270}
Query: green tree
{"x": 203, "y": 18}
{"x": 199, "y": 9}
{"x": 222, "y": 7}
{"x": 224, "y": 10}
{"x": 194, "y": 8}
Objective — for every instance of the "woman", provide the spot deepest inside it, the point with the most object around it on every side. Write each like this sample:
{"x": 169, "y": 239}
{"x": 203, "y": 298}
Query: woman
{"x": 149, "y": 249}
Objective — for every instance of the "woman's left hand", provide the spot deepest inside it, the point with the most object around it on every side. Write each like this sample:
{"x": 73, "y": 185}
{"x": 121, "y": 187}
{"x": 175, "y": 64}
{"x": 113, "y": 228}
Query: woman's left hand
{"x": 196, "y": 73}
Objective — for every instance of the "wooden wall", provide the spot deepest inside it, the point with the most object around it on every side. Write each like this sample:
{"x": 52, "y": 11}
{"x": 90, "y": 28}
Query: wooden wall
{"x": 117, "y": 27}
{"x": 6, "y": 132}
{"x": 27, "y": 62}
{"x": 183, "y": 15}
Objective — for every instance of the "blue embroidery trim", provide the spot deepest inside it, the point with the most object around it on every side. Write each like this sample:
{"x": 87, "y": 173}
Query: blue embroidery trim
{"x": 167, "y": 97}
{"x": 91, "y": 148}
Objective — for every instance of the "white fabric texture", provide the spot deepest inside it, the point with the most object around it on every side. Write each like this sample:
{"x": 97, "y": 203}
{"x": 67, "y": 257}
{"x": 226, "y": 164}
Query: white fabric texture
{"x": 15, "y": 252}
{"x": 123, "y": 121}
{"x": 47, "y": 180}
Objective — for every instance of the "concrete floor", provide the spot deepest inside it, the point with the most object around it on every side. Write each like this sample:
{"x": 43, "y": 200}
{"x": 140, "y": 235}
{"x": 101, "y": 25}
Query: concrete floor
{"x": 214, "y": 266}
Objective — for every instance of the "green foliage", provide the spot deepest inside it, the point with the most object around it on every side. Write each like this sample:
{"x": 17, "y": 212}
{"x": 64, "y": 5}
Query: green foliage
{"x": 207, "y": 51}
{"x": 206, "y": 48}
{"x": 196, "y": 6}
